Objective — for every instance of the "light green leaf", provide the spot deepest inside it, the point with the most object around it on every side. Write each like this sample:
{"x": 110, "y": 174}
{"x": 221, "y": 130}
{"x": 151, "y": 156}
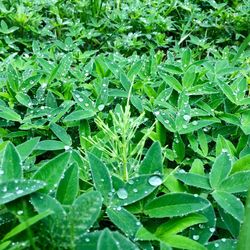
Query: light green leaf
{"x": 178, "y": 241}
{"x": 15, "y": 189}
{"x": 189, "y": 77}
{"x": 175, "y": 204}
{"x": 51, "y": 172}
{"x": 26, "y": 224}
{"x": 230, "y": 204}
{"x": 84, "y": 212}
{"x": 220, "y": 169}
{"x": 242, "y": 164}
{"x": 172, "y": 82}
{"x": 61, "y": 133}
{"x": 79, "y": 115}
{"x": 195, "y": 180}
{"x": 152, "y": 161}
{"x": 101, "y": 176}
{"x": 68, "y": 185}
{"x": 236, "y": 183}
{"x": 50, "y": 145}
{"x": 177, "y": 225}
{"x": 10, "y": 164}
{"x": 26, "y": 148}
{"x": 124, "y": 220}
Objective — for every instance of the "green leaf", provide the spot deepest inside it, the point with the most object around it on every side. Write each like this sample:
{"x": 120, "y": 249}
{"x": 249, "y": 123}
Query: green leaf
{"x": 223, "y": 244}
{"x": 178, "y": 241}
{"x": 189, "y": 77}
{"x": 230, "y": 204}
{"x": 51, "y": 172}
{"x": 179, "y": 148}
{"x": 195, "y": 180}
{"x": 68, "y": 185}
{"x": 4, "y": 245}
{"x": 124, "y": 220}
{"x": 114, "y": 241}
{"x": 243, "y": 243}
{"x": 175, "y": 204}
{"x": 84, "y": 212}
{"x": 83, "y": 101}
{"x": 236, "y": 183}
{"x": 245, "y": 122}
{"x": 242, "y": 164}
{"x": 24, "y": 99}
{"x": 10, "y": 164}
{"x": 12, "y": 78}
{"x": 50, "y": 145}
{"x": 79, "y": 115}
{"x": 203, "y": 142}
{"x": 220, "y": 169}
{"x": 172, "y": 82}
{"x": 9, "y": 114}
{"x": 136, "y": 189}
{"x": 152, "y": 161}
{"x": 61, "y": 133}
{"x": 178, "y": 225}
{"x": 26, "y": 148}
{"x": 15, "y": 189}
{"x": 26, "y": 224}
{"x": 101, "y": 176}
{"x": 63, "y": 68}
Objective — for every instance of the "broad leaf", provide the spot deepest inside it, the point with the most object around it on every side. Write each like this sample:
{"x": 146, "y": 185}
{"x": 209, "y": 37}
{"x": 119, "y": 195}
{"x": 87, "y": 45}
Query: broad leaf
{"x": 175, "y": 204}
{"x": 101, "y": 176}
{"x": 15, "y": 189}
{"x": 230, "y": 204}
{"x": 51, "y": 172}
{"x": 152, "y": 163}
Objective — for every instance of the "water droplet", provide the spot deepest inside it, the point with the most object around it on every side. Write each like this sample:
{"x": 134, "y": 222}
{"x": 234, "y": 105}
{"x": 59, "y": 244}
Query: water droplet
{"x": 196, "y": 237}
{"x": 122, "y": 193}
{"x": 155, "y": 180}
{"x": 184, "y": 126}
{"x": 19, "y": 212}
{"x": 131, "y": 182}
{"x": 1, "y": 172}
{"x": 195, "y": 123}
{"x": 187, "y": 118}
{"x": 156, "y": 113}
{"x": 80, "y": 99}
{"x": 87, "y": 240}
{"x": 216, "y": 245}
{"x": 223, "y": 240}
{"x": 212, "y": 229}
{"x": 135, "y": 190}
{"x": 66, "y": 147}
{"x": 19, "y": 191}
{"x": 119, "y": 208}
{"x": 101, "y": 107}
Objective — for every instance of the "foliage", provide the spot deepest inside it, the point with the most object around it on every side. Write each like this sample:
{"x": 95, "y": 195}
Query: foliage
{"x": 124, "y": 124}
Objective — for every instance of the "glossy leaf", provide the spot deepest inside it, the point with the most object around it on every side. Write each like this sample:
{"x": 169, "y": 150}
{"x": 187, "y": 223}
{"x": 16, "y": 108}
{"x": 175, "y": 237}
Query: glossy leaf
{"x": 175, "y": 204}
{"x": 52, "y": 171}
{"x": 15, "y": 189}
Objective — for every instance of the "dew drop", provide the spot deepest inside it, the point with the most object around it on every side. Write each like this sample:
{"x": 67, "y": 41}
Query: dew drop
{"x": 101, "y": 107}
{"x": 155, "y": 180}
{"x": 195, "y": 123}
{"x": 196, "y": 237}
{"x": 187, "y": 118}
{"x": 19, "y": 212}
{"x": 212, "y": 229}
{"x": 122, "y": 193}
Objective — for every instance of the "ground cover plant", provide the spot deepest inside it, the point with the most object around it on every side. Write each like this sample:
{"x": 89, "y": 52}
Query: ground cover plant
{"x": 124, "y": 124}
